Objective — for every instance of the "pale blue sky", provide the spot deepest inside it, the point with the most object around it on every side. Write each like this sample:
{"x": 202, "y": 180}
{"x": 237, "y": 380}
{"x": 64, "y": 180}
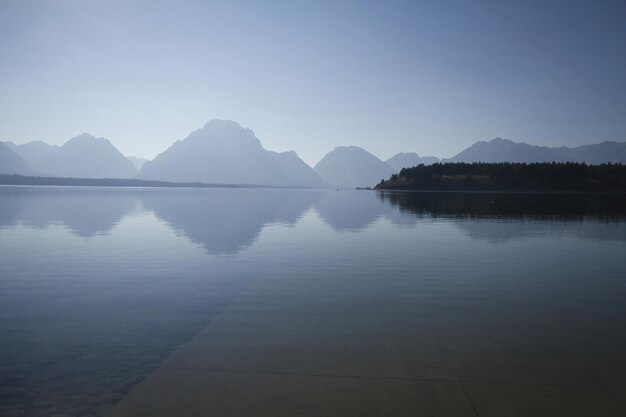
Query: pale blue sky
{"x": 425, "y": 76}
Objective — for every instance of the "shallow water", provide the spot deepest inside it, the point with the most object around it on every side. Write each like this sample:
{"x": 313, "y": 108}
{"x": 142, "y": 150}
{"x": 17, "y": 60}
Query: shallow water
{"x": 99, "y": 286}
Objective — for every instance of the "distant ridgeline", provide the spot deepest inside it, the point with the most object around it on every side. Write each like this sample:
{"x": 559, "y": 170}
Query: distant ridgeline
{"x": 14, "y": 179}
{"x": 567, "y": 176}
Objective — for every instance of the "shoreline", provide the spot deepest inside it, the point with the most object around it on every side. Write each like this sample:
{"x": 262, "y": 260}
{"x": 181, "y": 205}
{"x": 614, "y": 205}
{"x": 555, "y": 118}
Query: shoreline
{"x": 24, "y": 180}
{"x": 499, "y": 191}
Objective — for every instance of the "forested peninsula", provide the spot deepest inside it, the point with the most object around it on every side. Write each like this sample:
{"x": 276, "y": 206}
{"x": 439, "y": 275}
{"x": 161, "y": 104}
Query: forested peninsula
{"x": 478, "y": 176}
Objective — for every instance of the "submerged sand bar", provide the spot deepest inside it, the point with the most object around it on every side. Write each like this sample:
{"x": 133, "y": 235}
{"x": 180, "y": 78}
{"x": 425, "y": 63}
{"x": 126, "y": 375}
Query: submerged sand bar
{"x": 320, "y": 348}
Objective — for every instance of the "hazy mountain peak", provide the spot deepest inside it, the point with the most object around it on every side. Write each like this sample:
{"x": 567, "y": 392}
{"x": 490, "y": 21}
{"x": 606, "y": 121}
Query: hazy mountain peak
{"x": 38, "y": 144}
{"x": 497, "y": 141}
{"x": 137, "y": 161}
{"x": 11, "y": 162}
{"x": 227, "y": 127}
{"x": 350, "y": 148}
{"x": 407, "y": 154}
{"x": 504, "y": 141}
{"x": 222, "y": 124}
{"x": 352, "y": 166}
{"x": 82, "y": 137}
{"x": 223, "y": 152}
{"x": 86, "y": 139}
{"x": 85, "y": 135}
{"x": 222, "y": 134}
{"x": 506, "y": 150}
{"x": 409, "y": 159}
{"x": 83, "y": 156}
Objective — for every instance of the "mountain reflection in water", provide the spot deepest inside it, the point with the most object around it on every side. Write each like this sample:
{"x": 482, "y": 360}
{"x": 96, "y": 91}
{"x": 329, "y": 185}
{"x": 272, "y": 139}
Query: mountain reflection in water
{"x": 100, "y": 285}
{"x": 224, "y": 221}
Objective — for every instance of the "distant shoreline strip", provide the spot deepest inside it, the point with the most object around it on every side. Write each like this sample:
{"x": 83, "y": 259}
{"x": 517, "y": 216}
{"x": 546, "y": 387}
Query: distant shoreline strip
{"x": 13, "y": 179}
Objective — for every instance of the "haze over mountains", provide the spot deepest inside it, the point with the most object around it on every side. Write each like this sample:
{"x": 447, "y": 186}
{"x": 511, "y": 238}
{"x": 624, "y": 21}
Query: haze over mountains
{"x": 137, "y": 161}
{"x": 409, "y": 159}
{"x": 351, "y": 166}
{"x": 84, "y": 156}
{"x": 11, "y": 162}
{"x": 504, "y": 150}
{"x": 223, "y": 152}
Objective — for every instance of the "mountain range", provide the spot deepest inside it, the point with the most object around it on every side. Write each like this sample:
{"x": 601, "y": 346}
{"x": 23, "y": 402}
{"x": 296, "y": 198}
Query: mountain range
{"x": 409, "y": 159}
{"x": 11, "y": 162}
{"x": 504, "y": 150}
{"x": 223, "y": 152}
{"x": 137, "y": 161}
{"x": 351, "y": 166}
{"x": 84, "y": 156}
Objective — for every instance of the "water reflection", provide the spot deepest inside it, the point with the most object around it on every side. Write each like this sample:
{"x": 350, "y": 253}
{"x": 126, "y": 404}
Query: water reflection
{"x": 349, "y": 210}
{"x": 499, "y": 217}
{"x": 510, "y": 205}
{"x": 84, "y": 319}
{"x": 226, "y": 221}
{"x": 84, "y": 212}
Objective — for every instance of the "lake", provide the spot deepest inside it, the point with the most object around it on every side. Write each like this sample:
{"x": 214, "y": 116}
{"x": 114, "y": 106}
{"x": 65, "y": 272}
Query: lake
{"x": 275, "y": 302}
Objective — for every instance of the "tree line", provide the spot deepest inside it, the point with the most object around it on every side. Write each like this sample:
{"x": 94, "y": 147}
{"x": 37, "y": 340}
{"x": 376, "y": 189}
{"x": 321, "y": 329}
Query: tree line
{"x": 506, "y": 175}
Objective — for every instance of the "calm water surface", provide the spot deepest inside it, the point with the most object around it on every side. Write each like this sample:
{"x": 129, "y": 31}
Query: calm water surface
{"x": 99, "y": 286}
